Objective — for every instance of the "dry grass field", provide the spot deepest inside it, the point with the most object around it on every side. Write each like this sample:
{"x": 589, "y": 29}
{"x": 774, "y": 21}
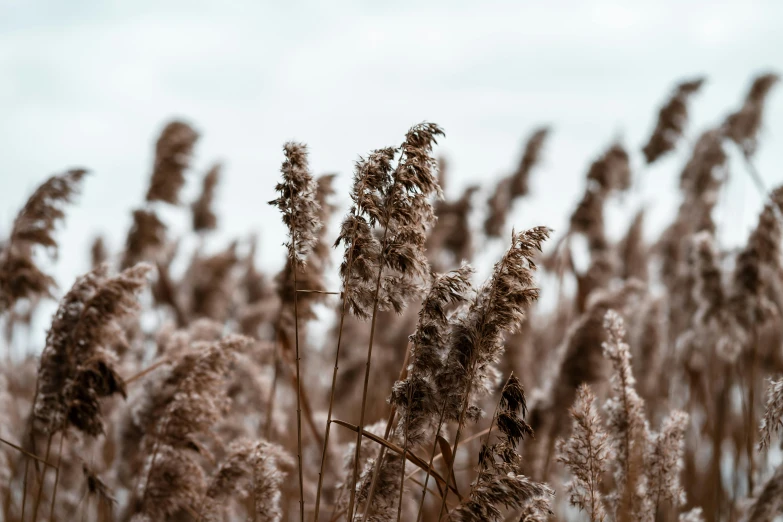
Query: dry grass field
{"x": 372, "y": 376}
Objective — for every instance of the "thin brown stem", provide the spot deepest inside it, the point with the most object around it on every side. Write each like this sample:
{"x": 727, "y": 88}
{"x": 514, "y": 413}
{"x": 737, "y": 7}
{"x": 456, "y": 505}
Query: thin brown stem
{"x": 454, "y": 451}
{"x": 344, "y": 295}
{"x": 271, "y": 399}
{"x": 439, "y": 456}
{"x": 432, "y": 460}
{"x": 24, "y": 487}
{"x": 37, "y": 503}
{"x": 404, "y": 454}
{"x": 755, "y": 176}
{"x": 324, "y": 292}
{"x": 482, "y": 466}
{"x": 306, "y": 408}
{"x": 389, "y": 424}
{"x": 56, "y": 477}
{"x": 366, "y": 379}
{"x": 298, "y": 388}
{"x": 155, "y": 448}
{"x": 751, "y": 420}
{"x": 329, "y": 414}
{"x": 471, "y": 377}
{"x": 412, "y": 457}
{"x": 146, "y": 371}
{"x": 26, "y": 453}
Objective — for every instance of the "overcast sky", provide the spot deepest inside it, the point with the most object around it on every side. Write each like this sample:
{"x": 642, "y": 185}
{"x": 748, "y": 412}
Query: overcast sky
{"x": 92, "y": 83}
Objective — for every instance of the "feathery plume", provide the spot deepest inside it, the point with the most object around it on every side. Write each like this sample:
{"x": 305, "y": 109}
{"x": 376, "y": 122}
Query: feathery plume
{"x": 200, "y": 396}
{"x": 362, "y": 248}
{"x": 98, "y": 252}
{"x": 415, "y": 396}
{"x": 75, "y": 369}
{"x": 172, "y": 157}
{"x": 269, "y": 463}
{"x": 626, "y": 425}
{"x": 204, "y": 217}
{"x": 588, "y": 218}
{"x": 515, "y": 185}
{"x": 254, "y": 470}
{"x": 633, "y": 251}
{"x": 96, "y": 487}
{"x": 664, "y": 464}
{"x": 579, "y": 357}
{"x": 585, "y": 454}
{"x": 209, "y": 285}
{"x": 772, "y": 422}
{"x": 705, "y": 170}
{"x": 145, "y": 239}
{"x": 742, "y": 127}
{"x": 297, "y": 202}
{"x": 312, "y": 277}
{"x": 612, "y": 171}
{"x": 500, "y": 481}
{"x": 406, "y": 214}
{"x": 20, "y": 277}
{"x": 195, "y": 400}
{"x": 232, "y": 477}
{"x": 175, "y": 482}
{"x": 769, "y": 504}
{"x": 452, "y": 232}
{"x": 749, "y": 297}
{"x": 530, "y": 158}
{"x": 498, "y": 206}
{"x": 300, "y": 210}
{"x": 476, "y": 342}
{"x": 672, "y": 119}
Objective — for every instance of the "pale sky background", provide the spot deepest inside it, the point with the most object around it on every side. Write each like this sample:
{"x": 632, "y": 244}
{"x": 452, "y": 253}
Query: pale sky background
{"x": 92, "y": 83}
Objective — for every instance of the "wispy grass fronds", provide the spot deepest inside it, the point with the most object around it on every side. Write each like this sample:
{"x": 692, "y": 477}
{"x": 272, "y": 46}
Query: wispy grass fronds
{"x": 772, "y": 422}
{"x": 173, "y": 152}
{"x": 749, "y": 298}
{"x": 297, "y": 202}
{"x": 627, "y": 425}
{"x": 416, "y": 397}
{"x": 34, "y": 226}
{"x": 300, "y": 209}
{"x": 146, "y": 238}
{"x": 664, "y": 464}
{"x": 203, "y": 215}
{"x": 612, "y": 171}
{"x": 270, "y": 465}
{"x": 232, "y": 479}
{"x": 769, "y": 504}
{"x": 194, "y": 401}
{"x": 406, "y": 217}
{"x": 586, "y": 454}
{"x": 743, "y": 126}
{"x": 500, "y": 482}
{"x": 76, "y": 370}
{"x": 672, "y": 119}
{"x": 514, "y": 186}
{"x": 476, "y": 341}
